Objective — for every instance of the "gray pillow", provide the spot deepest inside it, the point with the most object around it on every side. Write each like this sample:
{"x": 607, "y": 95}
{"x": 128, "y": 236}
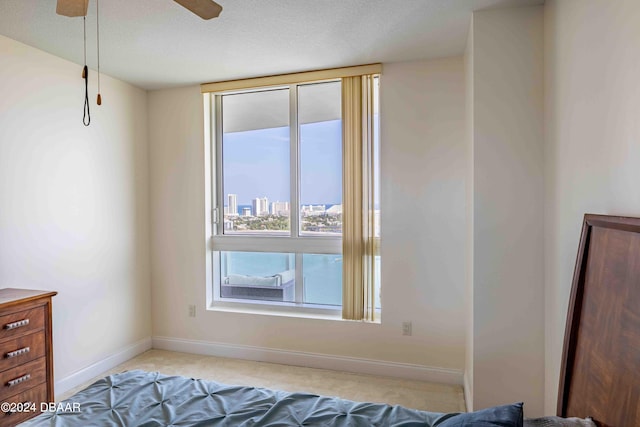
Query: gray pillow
{"x": 498, "y": 416}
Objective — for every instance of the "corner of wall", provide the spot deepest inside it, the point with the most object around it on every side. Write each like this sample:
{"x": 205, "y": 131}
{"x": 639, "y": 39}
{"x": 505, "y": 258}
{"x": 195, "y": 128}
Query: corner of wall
{"x": 99, "y": 368}
{"x": 468, "y": 64}
{"x": 506, "y": 135}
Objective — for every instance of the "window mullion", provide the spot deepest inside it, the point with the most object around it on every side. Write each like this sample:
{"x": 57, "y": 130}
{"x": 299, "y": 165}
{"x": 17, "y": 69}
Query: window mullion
{"x": 294, "y": 161}
{"x": 248, "y": 243}
{"x": 218, "y": 204}
{"x": 294, "y": 211}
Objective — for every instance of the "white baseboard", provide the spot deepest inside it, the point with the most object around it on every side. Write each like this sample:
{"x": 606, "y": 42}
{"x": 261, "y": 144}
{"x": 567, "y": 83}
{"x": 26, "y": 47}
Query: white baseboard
{"x": 85, "y": 374}
{"x": 468, "y": 393}
{"x": 312, "y": 360}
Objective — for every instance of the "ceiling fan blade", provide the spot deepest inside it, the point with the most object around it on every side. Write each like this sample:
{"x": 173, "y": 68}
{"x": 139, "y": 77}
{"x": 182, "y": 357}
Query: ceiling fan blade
{"x": 72, "y": 8}
{"x": 205, "y": 9}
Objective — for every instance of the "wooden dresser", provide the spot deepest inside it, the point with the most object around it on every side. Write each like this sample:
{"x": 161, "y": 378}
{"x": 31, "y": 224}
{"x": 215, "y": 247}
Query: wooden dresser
{"x": 26, "y": 353}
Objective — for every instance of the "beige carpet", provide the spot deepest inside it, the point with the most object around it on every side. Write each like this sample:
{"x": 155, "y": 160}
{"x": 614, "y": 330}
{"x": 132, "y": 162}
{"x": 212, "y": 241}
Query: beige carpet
{"x": 367, "y": 388}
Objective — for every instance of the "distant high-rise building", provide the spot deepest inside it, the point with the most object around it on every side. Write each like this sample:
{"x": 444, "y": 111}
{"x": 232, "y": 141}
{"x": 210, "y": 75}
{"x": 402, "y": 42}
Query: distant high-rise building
{"x": 280, "y": 208}
{"x": 313, "y": 210}
{"x": 260, "y": 206}
{"x": 246, "y": 211}
{"x": 233, "y": 204}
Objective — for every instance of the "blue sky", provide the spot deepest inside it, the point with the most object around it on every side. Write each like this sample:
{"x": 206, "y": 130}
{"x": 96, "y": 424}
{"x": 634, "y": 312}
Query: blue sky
{"x": 256, "y": 164}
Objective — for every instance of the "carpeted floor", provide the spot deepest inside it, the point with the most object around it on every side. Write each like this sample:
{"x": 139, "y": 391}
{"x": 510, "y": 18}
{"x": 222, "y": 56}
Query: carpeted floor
{"x": 367, "y": 388}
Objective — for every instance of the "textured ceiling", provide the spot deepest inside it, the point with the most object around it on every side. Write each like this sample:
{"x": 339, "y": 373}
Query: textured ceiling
{"x": 157, "y": 43}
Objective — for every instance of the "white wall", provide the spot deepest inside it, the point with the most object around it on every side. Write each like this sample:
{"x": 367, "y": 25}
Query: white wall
{"x": 592, "y": 151}
{"x": 507, "y": 266}
{"x": 423, "y": 196}
{"x": 423, "y": 226}
{"x": 74, "y": 203}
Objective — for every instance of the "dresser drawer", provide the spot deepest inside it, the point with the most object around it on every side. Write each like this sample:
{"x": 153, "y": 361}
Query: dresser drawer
{"x": 22, "y": 378}
{"x": 26, "y": 401}
{"x": 21, "y": 322}
{"x": 20, "y": 350}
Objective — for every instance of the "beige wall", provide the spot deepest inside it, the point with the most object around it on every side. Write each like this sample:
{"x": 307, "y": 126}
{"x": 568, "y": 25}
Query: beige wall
{"x": 74, "y": 203}
{"x": 507, "y": 267}
{"x": 592, "y": 151}
{"x": 423, "y": 196}
{"x": 423, "y": 223}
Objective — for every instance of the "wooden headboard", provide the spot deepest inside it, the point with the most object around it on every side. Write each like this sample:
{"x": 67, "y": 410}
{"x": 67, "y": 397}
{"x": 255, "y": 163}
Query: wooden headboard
{"x": 600, "y": 373}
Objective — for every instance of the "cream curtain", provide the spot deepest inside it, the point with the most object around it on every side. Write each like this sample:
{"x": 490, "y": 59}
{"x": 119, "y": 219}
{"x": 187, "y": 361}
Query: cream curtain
{"x": 358, "y": 240}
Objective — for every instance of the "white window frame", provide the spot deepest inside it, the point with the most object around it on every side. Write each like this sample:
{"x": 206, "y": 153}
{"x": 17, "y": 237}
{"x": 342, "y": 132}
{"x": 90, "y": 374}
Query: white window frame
{"x": 296, "y": 242}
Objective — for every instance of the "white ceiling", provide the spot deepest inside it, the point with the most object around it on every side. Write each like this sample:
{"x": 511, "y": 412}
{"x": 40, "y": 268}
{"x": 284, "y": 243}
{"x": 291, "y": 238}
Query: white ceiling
{"x": 157, "y": 43}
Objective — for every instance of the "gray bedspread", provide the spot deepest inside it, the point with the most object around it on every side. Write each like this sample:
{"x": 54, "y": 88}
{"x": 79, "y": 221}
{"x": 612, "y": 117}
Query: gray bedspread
{"x": 150, "y": 399}
{"x": 138, "y": 398}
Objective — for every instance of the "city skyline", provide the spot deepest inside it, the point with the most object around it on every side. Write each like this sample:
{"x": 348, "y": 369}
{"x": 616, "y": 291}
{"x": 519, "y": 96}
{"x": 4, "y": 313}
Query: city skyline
{"x": 257, "y": 164}
{"x": 261, "y": 206}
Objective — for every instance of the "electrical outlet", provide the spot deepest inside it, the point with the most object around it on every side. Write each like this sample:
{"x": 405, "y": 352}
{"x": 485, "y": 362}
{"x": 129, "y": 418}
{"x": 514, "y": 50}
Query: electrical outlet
{"x": 406, "y": 328}
{"x": 192, "y": 310}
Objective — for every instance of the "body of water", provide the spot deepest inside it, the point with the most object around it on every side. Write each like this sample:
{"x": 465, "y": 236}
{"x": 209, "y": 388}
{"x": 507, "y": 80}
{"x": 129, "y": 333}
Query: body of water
{"x": 322, "y": 272}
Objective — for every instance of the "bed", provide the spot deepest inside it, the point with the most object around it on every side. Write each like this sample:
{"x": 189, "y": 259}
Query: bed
{"x": 600, "y": 372}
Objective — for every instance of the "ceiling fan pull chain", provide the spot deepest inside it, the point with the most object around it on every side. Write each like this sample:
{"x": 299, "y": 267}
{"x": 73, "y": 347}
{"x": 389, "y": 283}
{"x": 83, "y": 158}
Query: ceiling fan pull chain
{"x": 84, "y": 37}
{"x": 99, "y": 99}
{"x": 86, "y": 116}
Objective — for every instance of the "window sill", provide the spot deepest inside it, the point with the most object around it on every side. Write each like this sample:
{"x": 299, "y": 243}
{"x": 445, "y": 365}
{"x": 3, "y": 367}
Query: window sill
{"x": 307, "y": 311}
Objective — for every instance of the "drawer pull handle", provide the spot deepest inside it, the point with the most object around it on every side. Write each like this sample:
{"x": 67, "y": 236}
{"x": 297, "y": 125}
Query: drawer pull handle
{"x": 17, "y": 324}
{"x": 18, "y": 380}
{"x": 18, "y": 352}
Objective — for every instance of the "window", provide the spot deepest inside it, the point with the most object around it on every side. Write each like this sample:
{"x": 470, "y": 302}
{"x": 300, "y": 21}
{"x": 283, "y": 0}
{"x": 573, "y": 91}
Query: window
{"x": 279, "y": 151}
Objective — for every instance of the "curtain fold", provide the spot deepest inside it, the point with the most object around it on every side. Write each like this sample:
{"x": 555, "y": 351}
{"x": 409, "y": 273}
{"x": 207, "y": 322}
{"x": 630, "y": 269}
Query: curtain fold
{"x": 368, "y": 200}
{"x": 358, "y": 241}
